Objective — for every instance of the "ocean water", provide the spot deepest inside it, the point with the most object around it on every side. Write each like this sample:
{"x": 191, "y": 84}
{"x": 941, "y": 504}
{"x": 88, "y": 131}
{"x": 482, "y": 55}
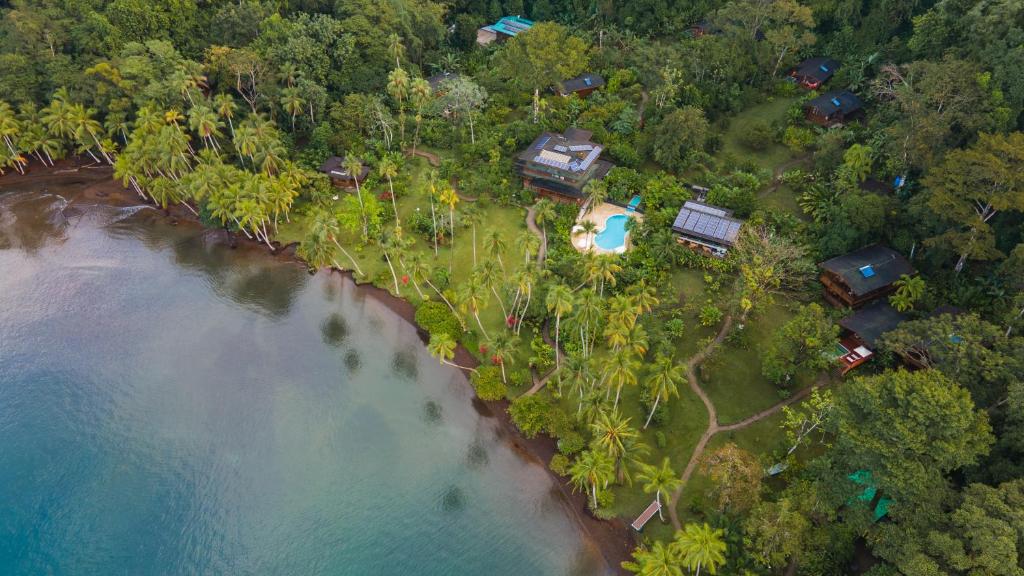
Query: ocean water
{"x": 170, "y": 406}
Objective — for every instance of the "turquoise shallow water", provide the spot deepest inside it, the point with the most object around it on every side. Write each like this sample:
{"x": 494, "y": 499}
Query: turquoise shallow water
{"x": 169, "y": 406}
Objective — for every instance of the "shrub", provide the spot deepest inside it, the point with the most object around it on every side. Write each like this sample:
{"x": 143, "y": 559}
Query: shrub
{"x": 659, "y": 439}
{"x": 710, "y": 315}
{"x": 605, "y": 499}
{"x": 487, "y": 382}
{"x": 559, "y": 464}
{"x": 543, "y": 354}
{"x": 798, "y": 139}
{"x": 571, "y": 443}
{"x": 531, "y": 414}
{"x": 757, "y": 136}
{"x": 436, "y": 318}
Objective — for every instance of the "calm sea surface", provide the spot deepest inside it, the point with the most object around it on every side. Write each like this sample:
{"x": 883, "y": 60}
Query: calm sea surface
{"x": 170, "y": 406}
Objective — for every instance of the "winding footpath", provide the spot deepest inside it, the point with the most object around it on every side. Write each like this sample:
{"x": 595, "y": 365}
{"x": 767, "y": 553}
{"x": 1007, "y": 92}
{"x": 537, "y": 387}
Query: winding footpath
{"x": 531, "y": 223}
{"x": 714, "y": 427}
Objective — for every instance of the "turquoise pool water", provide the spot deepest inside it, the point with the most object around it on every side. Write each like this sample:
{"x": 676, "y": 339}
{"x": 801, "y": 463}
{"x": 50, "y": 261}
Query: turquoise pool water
{"x": 614, "y": 234}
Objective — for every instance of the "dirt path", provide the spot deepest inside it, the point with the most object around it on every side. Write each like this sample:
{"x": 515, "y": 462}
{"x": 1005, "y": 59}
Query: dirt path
{"x": 431, "y": 159}
{"x": 531, "y": 223}
{"x": 780, "y": 170}
{"x": 714, "y": 427}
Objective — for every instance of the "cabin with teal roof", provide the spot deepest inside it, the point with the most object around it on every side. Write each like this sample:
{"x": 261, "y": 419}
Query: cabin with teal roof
{"x": 507, "y": 27}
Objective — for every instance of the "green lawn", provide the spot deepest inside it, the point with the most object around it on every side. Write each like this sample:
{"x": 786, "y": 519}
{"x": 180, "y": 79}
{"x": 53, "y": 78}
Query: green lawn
{"x": 774, "y": 154}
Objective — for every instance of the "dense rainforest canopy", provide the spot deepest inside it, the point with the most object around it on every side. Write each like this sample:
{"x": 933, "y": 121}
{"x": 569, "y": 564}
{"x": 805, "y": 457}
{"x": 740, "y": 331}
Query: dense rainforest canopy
{"x": 228, "y": 107}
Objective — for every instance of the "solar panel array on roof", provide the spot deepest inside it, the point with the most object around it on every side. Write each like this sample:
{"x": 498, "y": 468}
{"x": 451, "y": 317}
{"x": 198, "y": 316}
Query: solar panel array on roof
{"x": 541, "y": 142}
{"x": 560, "y": 148}
{"x": 707, "y": 222}
{"x": 551, "y": 162}
{"x": 589, "y": 159}
{"x": 581, "y": 147}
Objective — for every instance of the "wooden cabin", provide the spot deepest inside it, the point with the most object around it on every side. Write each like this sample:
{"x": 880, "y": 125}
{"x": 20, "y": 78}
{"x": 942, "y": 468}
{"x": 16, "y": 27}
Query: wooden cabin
{"x": 334, "y": 167}
{"x": 834, "y": 108}
{"x": 862, "y": 276}
{"x": 861, "y": 331}
{"x": 708, "y": 229}
{"x": 813, "y": 72}
{"x": 558, "y": 166}
{"x": 582, "y": 85}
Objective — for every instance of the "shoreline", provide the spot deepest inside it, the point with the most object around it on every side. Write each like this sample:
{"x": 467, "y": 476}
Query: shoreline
{"x": 612, "y": 539}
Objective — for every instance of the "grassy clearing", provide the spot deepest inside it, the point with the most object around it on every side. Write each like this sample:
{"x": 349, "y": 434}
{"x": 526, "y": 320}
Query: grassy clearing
{"x": 770, "y": 112}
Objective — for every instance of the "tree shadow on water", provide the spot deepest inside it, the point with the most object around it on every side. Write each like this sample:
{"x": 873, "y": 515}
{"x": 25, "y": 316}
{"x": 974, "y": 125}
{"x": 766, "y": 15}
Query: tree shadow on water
{"x": 334, "y": 330}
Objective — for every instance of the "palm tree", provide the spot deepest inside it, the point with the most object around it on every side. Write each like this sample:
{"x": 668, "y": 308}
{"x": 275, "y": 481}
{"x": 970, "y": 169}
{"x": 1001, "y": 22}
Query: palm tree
{"x": 420, "y": 95}
{"x": 579, "y": 376}
{"x": 664, "y": 382}
{"x": 587, "y": 228}
{"x": 660, "y": 560}
{"x": 529, "y": 242}
{"x": 398, "y": 88}
{"x": 226, "y": 107}
{"x": 589, "y": 311}
{"x": 389, "y": 245}
{"x": 701, "y": 546}
{"x": 442, "y": 347}
{"x": 203, "y": 121}
{"x": 388, "y": 168}
{"x": 622, "y": 309}
{"x": 87, "y": 126}
{"x": 502, "y": 348}
{"x": 604, "y": 269}
{"x": 614, "y": 435}
{"x": 419, "y": 271}
{"x": 644, "y": 297}
{"x": 396, "y": 49}
{"x": 544, "y": 212}
{"x": 450, "y": 199}
{"x": 659, "y": 479}
{"x": 620, "y": 369}
{"x": 595, "y": 191}
{"x": 292, "y": 103}
{"x": 591, "y": 469}
{"x": 495, "y": 245}
{"x": 10, "y": 128}
{"x": 560, "y": 301}
{"x": 473, "y": 216}
{"x": 474, "y": 296}
{"x": 324, "y": 227}
{"x": 354, "y": 166}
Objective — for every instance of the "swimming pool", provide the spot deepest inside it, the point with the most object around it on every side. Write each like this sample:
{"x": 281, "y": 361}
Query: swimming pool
{"x": 613, "y": 237}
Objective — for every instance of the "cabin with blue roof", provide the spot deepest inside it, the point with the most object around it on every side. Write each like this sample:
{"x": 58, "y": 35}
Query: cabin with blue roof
{"x": 581, "y": 85}
{"x": 813, "y": 72}
{"x": 862, "y": 276}
{"x": 507, "y": 27}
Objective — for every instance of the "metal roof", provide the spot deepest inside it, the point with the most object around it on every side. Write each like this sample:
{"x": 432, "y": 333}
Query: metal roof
{"x": 707, "y": 222}
{"x": 873, "y": 320}
{"x": 837, "y": 101}
{"x": 869, "y": 268}
{"x": 510, "y": 25}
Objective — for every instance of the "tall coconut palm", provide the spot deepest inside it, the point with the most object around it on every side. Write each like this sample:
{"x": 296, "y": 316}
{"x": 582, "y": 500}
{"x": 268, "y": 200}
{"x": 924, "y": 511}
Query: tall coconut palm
{"x": 449, "y": 198}
{"x": 488, "y": 272}
{"x": 10, "y": 130}
{"x": 389, "y": 246}
{"x": 589, "y": 311}
{"x": 591, "y": 470}
{"x": 701, "y": 546}
{"x": 603, "y": 270}
{"x": 420, "y": 95}
{"x": 659, "y": 479}
{"x": 324, "y": 225}
{"x": 620, "y": 370}
{"x": 419, "y": 270}
{"x": 204, "y": 122}
{"x": 226, "y": 108}
{"x": 354, "y": 166}
{"x": 643, "y": 296}
{"x": 616, "y": 437}
{"x": 664, "y": 382}
{"x": 622, "y": 309}
{"x": 416, "y": 268}
{"x": 388, "y": 168}
{"x": 595, "y": 192}
{"x": 472, "y": 216}
{"x": 442, "y": 347}
{"x": 396, "y": 49}
{"x": 502, "y": 348}
{"x": 544, "y": 212}
{"x": 292, "y": 103}
{"x": 587, "y": 229}
{"x": 578, "y": 375}
{"x": 659, "y": 560}
{"x": 474, "y": 296}
{"x": 87, "y": 129}
{"x": 529, "y": 242}
{"x": 398, "y": 87}
{"x": 559, "y": 300}
{"x": 494, "y": 244}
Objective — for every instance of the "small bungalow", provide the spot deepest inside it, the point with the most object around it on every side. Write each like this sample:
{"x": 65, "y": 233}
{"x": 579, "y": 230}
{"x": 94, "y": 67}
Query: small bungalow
{"x": 862, "y": 329}
{"x": 560, "y": 165}
{"x": 706, "y": 228}
{"x": 834, "y": 108}
{"x": 340, "y": 176}
{"x": 581, "y": 85}
{"x": 502, "y": 30}
{"x": 862, "y": 276}
{"x": 813, "y": 72}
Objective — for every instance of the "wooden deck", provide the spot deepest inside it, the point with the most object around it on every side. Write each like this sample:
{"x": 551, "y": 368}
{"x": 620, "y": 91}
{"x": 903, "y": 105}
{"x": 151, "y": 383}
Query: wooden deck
{"x": 857, "y": 355}
{"x": 649, "y": 513}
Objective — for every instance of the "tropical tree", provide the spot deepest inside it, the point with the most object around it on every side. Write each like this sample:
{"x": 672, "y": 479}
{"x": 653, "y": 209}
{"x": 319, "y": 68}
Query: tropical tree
{"x": 620, "y": 370}
{"x": 323, "y": 227}
{"x": 502, "y": 348}
{"x": 226, "y": 108}
{"x": 449, "y": 198}
{"x": 664, "y": 382}
{"x": 614, "y": 435}
{"x": 560, "y": 301}
{"x": 474, "y": 296}
{"x": 473, "y": 217}
{"x": 442, "y": 347}
{"x": 659, "y": 479}
{"x": 388, "y": 168}
{"x": 541, "y": 57}
{"x": 909, "y": 290}
{"x": 292, "y": 103}
{"x": 544, "y": 212}
{"x": 420, "y": 95}
{"x": 596, "y": 190}
{"x": 354, "y": 166}
{"x": 398, "y": 87}
{"x": 494, "y": 244}
{"x": 701, "y": 546}
{"x": 588, "y": 228}
{"x": 592, "y": 471}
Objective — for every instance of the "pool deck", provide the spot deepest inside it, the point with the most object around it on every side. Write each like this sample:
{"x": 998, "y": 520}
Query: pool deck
{"x": 598, "y": 215}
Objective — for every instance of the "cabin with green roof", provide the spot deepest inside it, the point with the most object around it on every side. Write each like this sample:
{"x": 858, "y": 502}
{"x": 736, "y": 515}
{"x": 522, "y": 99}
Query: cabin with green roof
{"x": 507, "y": 27}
